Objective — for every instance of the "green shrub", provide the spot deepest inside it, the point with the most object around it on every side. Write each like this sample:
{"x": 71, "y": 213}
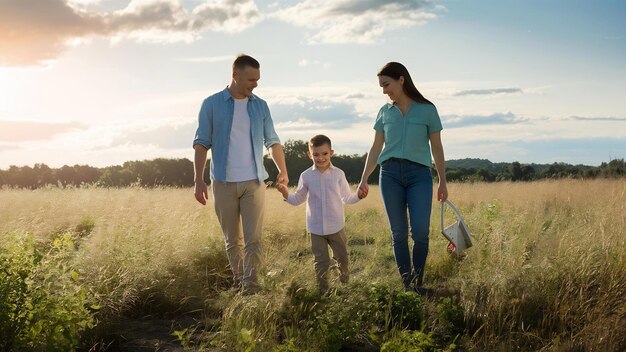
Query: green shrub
{"x": 42, "y": 305}
{"x": 85, "y": 227}
{"x": 392, "y": 308}
{"x": 410, "y": 341}
{"x": 451, "y": 316}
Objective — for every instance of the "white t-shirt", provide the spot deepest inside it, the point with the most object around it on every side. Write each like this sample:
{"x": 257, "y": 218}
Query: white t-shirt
{"x": 240, "y": 164}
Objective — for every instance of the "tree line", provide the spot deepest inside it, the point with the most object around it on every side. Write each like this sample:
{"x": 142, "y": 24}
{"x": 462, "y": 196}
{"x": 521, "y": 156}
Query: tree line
{"x": 179, "y": 172}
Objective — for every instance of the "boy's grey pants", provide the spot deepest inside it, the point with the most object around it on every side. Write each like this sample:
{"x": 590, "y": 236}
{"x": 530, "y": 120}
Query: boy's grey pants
{"x": 319, "y": 247}
{"x": 240, "y": 205}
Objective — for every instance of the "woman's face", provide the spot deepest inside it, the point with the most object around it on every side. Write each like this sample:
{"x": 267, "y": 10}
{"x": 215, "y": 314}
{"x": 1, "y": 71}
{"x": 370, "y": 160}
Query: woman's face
{"x": 392, "y": 87}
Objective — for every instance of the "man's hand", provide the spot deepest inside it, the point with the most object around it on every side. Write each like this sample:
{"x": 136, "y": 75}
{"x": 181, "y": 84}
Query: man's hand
{"x": 200, "y": 192}
{"x": 282, "y": 179}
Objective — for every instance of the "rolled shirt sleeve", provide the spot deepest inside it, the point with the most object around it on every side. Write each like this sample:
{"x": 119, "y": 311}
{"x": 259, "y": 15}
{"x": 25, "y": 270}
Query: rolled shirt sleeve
{"x": 269, "y": 133}
{"x": 204, "y": 131}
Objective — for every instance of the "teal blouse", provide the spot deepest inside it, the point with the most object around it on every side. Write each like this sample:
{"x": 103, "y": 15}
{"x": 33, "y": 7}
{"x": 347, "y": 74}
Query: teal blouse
{"x": 408, "y": 137}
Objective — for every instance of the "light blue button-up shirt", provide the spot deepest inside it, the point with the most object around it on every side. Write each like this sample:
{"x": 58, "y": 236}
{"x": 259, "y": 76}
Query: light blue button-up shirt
{"x": 215, "y": 121}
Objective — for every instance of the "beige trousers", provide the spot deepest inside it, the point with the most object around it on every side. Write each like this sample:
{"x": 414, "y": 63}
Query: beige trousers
{"x": 240, "y": 206}
{"x": 319, "y": 247}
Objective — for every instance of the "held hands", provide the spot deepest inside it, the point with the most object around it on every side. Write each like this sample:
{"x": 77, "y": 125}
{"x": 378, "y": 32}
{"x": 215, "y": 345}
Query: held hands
{"x": 283, "y": 190}
{"x": 200, "y": 192}
{"x": 363, "y": 190}
{"x": 282, "y": 179}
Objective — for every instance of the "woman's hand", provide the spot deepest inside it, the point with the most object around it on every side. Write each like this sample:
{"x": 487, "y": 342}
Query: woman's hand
{"x": 363, "y": 190}
{"x": 442, "y": 192}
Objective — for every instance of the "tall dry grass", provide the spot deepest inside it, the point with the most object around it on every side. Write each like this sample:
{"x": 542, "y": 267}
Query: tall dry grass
{"x": 547, "y": 271}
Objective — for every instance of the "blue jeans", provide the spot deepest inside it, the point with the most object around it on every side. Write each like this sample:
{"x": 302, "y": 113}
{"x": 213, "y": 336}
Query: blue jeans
{"x": 408, "y": 185}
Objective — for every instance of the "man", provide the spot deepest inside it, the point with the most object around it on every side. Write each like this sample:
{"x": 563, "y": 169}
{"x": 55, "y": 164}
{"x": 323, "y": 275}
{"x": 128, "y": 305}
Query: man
{"x": 235, "y": 124}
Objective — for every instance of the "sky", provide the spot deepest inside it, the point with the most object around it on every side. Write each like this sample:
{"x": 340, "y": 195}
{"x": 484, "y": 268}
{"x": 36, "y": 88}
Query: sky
{"x": 101, "y": 82}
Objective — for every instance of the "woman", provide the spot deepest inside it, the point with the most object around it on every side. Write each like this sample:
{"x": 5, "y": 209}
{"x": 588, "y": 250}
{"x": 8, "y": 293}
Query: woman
{"x": 406, "y": 130}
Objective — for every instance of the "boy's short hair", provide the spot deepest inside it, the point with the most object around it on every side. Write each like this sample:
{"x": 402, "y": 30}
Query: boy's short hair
{"x": 242, "y": 61}
{"x": 319, "y": 140}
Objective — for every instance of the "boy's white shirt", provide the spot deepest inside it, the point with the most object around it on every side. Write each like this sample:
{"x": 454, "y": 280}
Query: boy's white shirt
{"x": 327, "y": 192}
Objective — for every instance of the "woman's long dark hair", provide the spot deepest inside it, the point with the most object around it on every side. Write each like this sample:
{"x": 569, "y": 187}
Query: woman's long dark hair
{"x": 395, "y": 70}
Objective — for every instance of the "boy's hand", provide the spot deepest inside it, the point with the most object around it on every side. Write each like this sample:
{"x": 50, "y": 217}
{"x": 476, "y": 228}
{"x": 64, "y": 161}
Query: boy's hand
{"x": 363, "y": 190}
{"x": 283, "y": 190}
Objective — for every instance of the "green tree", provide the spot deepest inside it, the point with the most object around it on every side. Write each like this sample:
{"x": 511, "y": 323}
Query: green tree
{"x": 515, "y": 170}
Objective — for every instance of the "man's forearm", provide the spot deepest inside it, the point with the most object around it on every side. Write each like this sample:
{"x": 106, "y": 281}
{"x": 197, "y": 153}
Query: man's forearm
{"x": 199, "y": 162}
{"x": 278, "y": 155}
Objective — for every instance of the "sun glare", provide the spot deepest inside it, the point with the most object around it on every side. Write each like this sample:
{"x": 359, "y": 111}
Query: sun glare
{"x": 5, "y": 92}
{"x": 11, "y": 84}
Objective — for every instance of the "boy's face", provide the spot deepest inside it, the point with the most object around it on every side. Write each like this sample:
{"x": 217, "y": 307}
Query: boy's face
{"x": 321, "y": 156}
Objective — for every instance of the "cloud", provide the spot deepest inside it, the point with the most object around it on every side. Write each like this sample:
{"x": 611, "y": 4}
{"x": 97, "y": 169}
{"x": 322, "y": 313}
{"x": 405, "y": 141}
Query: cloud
{"x": 23, "y": 131}
{"x": 489, "y": 91}
{"x": 307, "y": 112}
{"x": 206, "y": 59}
{"x": 540, "y": 151}
{"x": 356, "y": 21}
{"x": 7, "y": 147}
{"x": 165, "y": 135}
{"x": 227, "y": 15}
{"x": 456, "y": 121}
{"x": 568, "y": 150}
{"x": 296, "y": 125}
{"x": 600, "y": 118}
{"x": 34, "y": 31}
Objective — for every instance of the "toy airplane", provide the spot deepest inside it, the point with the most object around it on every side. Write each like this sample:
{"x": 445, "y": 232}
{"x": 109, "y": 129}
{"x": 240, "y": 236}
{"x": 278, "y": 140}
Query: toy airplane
{"x": 458, "y": 234}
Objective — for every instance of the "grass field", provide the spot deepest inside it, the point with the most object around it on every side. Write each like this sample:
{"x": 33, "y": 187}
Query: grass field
{"x": 145, "y": 269}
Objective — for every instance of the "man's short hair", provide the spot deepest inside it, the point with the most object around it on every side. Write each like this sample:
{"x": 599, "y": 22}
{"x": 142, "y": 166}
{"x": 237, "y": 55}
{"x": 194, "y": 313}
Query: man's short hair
{"x": 242, "y": 61}
{"x": 319, "y": 140}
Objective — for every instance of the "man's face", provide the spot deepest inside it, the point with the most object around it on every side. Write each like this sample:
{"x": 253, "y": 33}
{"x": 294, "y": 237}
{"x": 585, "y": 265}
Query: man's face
{"x": 321, "y": 156}
{"x": 246, "y": 80}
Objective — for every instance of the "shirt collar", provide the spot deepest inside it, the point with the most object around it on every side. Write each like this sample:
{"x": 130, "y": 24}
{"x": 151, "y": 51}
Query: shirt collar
{"x": 226, "y": 95}
{"x": 331, "y": 166}
{"x": 391, "y": 105}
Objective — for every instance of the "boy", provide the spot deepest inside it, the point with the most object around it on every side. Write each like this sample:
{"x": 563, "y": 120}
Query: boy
{"x": 327, "y": 190}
